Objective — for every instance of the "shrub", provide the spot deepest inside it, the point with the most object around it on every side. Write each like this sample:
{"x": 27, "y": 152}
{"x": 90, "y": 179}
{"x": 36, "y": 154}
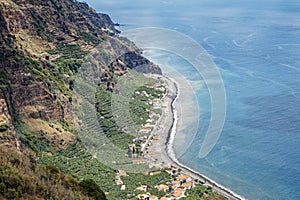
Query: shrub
{"x": 92, "y": 189}
{"x": 3, "y": 127}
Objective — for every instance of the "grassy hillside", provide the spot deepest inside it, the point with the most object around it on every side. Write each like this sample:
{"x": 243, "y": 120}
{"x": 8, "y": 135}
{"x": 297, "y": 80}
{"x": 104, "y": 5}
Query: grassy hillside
{"x": 44, "y": 44}
{"x": 49, "y": 50}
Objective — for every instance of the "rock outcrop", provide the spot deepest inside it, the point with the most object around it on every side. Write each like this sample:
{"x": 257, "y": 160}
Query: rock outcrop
{"x": 43, "y": 44}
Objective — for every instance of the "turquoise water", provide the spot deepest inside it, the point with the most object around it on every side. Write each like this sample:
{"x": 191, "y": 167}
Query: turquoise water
{"x": 256, "y": 45}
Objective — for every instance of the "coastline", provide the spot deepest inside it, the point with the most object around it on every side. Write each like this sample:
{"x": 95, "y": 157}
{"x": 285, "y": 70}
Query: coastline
{"x": 161, "y": 151}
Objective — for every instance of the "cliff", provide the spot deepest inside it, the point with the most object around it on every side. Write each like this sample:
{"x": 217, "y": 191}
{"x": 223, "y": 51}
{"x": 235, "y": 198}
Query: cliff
{"x": 42, "y": 47}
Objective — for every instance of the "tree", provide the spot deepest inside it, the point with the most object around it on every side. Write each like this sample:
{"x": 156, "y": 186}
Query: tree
{"x": 91, "y": 188}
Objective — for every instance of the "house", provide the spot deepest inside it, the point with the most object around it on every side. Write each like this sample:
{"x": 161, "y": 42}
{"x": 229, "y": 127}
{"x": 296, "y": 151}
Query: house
{"x": 161, "y": 88}
{"x": 153, "y": 197}
{"x": 176, "y": 183}
{"x": 123, "y": 187}
{"x": 148, "y": 125}
{"x": 118, "y": 180}
{"x": 174, "y": 187}
{"x": 184, "y": 178}
{"x": 188, "y": 185}
{"x": 140, "y": 139}
{"x": 122, "y": 173}
{"x": 142, "y": 188}
{"x": 153, "y": 114}
{"x": 177, "y": 194}
{"x": 132, "y": 147}
{"x": 145, "y": 130}
{"x": 180, "y": 189}
{"x": 165, "y": 198}
{"x": 155, "y": 173}
{"x": 162, "y": 187}
{"x": 149, "y": 121}
{"x": 143, "y": 197}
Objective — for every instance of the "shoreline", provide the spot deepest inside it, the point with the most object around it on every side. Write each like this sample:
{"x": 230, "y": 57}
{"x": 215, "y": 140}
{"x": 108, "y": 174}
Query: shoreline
{"x": 164, "y": 149}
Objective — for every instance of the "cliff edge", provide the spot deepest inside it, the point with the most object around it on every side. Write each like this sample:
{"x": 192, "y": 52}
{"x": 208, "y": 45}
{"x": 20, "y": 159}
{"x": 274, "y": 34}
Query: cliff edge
{"x": 42, "y": 46}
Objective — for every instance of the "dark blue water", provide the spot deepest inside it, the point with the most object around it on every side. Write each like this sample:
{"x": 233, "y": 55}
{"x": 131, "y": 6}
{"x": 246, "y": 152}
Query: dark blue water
{"x": 256, "y": 45}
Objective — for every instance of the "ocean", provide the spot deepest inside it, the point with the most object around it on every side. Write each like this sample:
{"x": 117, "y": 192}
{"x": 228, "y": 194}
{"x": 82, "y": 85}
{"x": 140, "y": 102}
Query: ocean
{"x": 256, "y": 47}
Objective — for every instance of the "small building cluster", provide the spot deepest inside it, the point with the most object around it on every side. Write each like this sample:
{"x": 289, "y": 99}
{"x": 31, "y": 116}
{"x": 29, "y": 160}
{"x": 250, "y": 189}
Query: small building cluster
{"x": 141, "y": 143}
{"x": 174, "y": 189}
{"x": 118, "y": 180}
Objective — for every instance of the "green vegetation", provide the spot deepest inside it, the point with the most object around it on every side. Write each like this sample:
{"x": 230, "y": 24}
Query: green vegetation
{"x": 21, "y": 178}
{"x": 67, "y": 51}
{"x": 3, "y": 78}
{"x": 64, "y": 67}
{"x": 47, "y": 75}
{"x": 30, "y": 140}
{"x": 3, "y": 127}
{"x": 89, "y": 37}
{"x": 201, "y": 192}
{"x": 69, "y": 66}
{"x": 91, "y": 189}
{"x": 139, "y": 109}
{"x": 39, "y": 170}
{"x": 136, "y": 180}
{"x": 76, "y": 161}
{"x": 60, "y": 72}
{"x": 38, "y": 22}
{"x": 106, "y": 120}
{"x": 140, "y": 104}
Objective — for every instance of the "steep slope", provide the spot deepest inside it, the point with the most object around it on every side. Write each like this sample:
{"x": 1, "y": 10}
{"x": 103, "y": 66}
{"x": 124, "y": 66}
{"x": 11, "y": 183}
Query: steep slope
{"x": 42, "y": 47}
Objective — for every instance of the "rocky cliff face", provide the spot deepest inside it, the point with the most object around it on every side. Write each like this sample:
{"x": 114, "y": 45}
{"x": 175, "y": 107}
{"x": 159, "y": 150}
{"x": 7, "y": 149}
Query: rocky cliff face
{"x": 43, "y": 44}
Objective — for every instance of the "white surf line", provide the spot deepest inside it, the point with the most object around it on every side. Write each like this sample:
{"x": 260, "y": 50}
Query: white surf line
{"x": 225, "y": 191}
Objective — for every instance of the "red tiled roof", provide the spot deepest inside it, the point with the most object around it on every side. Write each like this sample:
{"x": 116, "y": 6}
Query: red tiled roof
{"x": 189, "y": 184}
{"x": 177, "y": 194}
{"x": 183, "y": 177}
{"x": 162, "y": 187}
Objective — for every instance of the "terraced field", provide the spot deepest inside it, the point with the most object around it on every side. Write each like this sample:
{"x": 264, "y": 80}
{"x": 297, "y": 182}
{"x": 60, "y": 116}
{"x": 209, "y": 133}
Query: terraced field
{"x": 108, "y": 124}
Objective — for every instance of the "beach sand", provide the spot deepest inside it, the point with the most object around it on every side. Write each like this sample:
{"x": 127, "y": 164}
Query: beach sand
{"x": 161, "y": 153}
